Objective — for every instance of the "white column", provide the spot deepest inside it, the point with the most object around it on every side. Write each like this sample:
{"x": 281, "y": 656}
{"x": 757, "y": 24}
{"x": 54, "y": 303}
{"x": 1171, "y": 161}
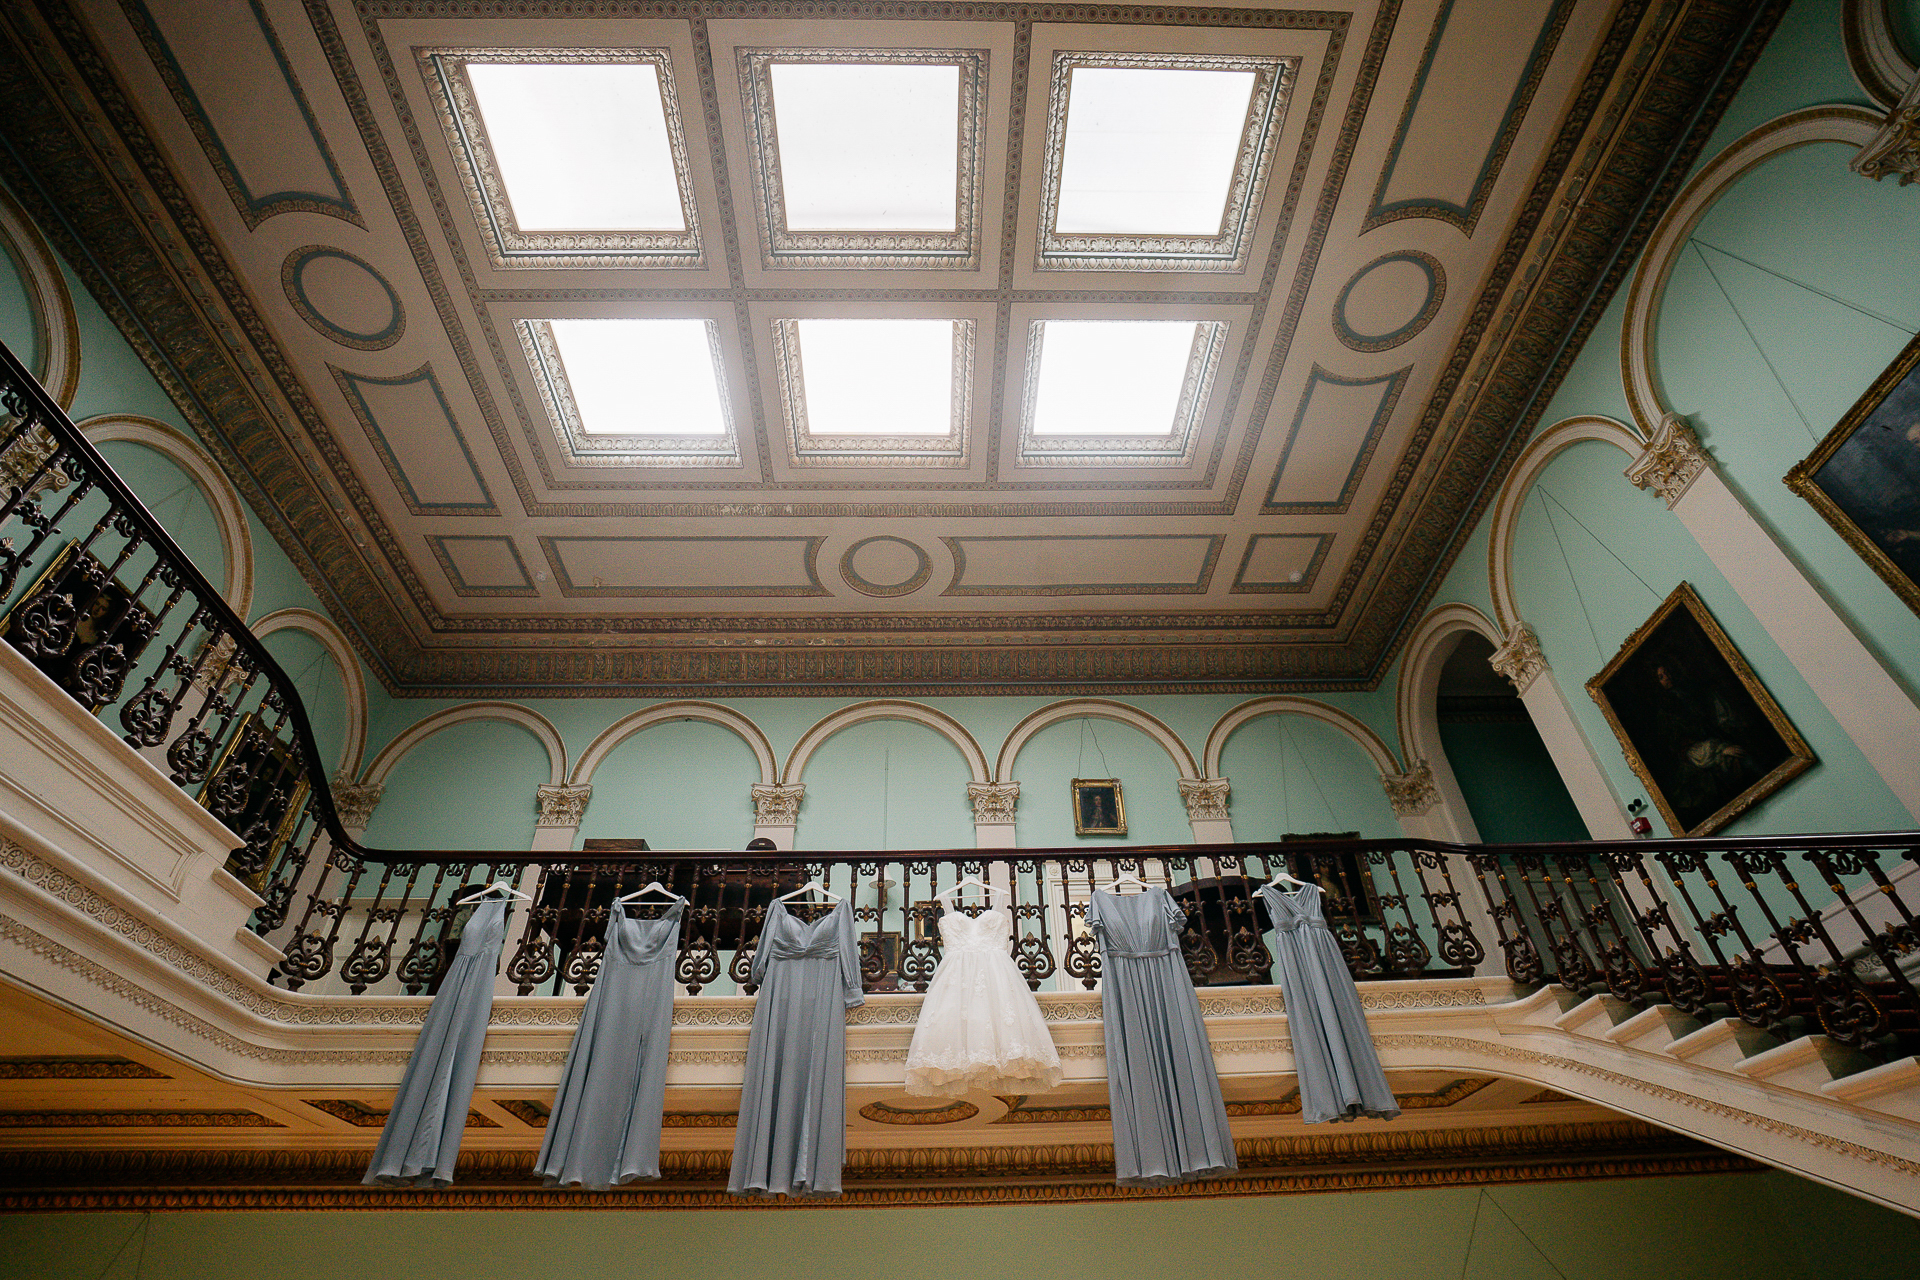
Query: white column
{"x": 1206, "y": 801}
{"x": 993, "y": 823}
{"x": 1870, "y": 706}
{"x": 1519, "y": 659}
{"x": 776, "y": 812}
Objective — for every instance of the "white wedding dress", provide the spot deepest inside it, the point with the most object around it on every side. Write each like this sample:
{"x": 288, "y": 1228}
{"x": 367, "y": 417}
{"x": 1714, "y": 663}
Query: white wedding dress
{"x": 980, "y": 1027}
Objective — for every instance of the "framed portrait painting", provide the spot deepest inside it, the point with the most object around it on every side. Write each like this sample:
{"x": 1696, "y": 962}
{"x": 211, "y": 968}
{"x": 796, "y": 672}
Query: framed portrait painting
{"x": 1696, "y": 724}
{"x": 1099, "y": 808}
{"x": 1864, "y": 478}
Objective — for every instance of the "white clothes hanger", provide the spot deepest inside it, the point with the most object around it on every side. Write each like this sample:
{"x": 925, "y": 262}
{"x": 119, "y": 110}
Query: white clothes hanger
{"x": 944, "y": 894}
{"x": 652, "y": 886}
{"x": 814, "y": 885}
{"x": 500, "y": 887}
{"x": 1129, "y": 878}
{"x": 1286, "y": 878}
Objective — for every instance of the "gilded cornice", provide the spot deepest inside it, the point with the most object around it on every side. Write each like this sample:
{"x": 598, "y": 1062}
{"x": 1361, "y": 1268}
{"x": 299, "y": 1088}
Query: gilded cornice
{"x": 1042, "y": 1173}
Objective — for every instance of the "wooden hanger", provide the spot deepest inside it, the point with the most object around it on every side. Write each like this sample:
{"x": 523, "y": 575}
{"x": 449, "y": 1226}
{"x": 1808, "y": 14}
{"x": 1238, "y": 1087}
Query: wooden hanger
{"x": 500, "y": 887}
{"x": 944, "y": 894}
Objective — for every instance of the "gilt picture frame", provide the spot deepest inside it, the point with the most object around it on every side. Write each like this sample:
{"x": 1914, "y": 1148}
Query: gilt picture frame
{"x": 1864, "y": 477}
{"x": 1696, "y": 725}
{"x": 1099, "y": 807}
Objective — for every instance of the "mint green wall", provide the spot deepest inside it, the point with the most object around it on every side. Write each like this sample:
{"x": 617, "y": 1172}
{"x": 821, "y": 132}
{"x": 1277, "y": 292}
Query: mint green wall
{"x": 1295, "y": 775}
{"x": 1757, "y": 1226}
{"x": 1059, "y": 753}
{"x": 1773, "y": 326}
{"x": 886, "y": 784}
{"x": 680, "y": 785}
{"x": 16, "y": 322}
{"x": 470, "y": 786}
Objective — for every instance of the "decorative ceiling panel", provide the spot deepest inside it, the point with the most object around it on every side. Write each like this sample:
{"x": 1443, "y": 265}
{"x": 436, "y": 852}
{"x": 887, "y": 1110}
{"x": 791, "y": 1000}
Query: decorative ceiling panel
{"x": 362, "y": 331}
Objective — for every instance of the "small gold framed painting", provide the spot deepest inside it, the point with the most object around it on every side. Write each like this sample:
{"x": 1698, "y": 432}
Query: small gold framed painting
{"x": 1696, "y": 724}
{"x": 1098, "y": 807}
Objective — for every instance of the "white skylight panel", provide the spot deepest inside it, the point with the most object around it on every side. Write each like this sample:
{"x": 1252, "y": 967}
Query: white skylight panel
{"x": 877, "y": 377}
{"x": 1151, "y": 151}
{"x": 580, "y": 145}
{"x": 1112, "y": 377}
{"x": 642, "y": 377}
{"x": 868, "y": 146}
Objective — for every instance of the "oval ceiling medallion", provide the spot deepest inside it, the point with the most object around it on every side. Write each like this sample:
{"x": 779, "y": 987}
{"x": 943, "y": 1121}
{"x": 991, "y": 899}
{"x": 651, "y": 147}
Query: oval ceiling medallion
{"x": 1389, "y": 300}
{"x": 342, "y": 297}
{"x": 952, "y": 1113}
{"x": 885, "y": 566}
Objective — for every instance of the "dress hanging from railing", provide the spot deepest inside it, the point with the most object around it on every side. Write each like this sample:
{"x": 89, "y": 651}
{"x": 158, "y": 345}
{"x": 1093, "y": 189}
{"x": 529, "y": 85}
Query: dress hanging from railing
{"x": 792, "y": 1135}
{"x": 1339, "y": 1072}
{"x": 1169, "y": 1121}
{"x": 421, "y": 1141}
{"x": 980, "y": 1027}
{"x": 605, "y": 1124}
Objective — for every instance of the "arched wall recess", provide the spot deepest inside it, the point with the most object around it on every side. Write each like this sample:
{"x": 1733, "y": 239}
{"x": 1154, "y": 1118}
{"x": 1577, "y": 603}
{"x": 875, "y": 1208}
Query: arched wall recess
{"x": 56, "y": 326}
{"x": 1533, "y": 459}
{"x": 229, "y": 515}
{"x": 334, "y": 641}
{"x": 1871, "y": 707}
{"x": 1854, "y": 126}
{"x": 1416, "y": 707}
{"x": 1284, "y": 705}
{"x": 1094, "y": 709}
{"x": 1879, "y": 65}
{"x": 885, "y": 709}
{"x": 504, "y": 712}
{"x": 662, "y": 713}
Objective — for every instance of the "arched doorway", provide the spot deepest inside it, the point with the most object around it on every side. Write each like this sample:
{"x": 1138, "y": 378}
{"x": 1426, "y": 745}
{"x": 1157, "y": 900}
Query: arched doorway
{"x": 1512, "y": 790}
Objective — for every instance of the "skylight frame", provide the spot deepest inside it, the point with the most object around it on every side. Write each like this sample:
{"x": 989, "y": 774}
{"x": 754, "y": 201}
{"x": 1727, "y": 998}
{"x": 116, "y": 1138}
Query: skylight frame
{"x": 542, "y": 351}
{"x": 1176, "y": 449}
{"x": 1228, "y": 251}
{"x": 956, "y": 250}
{"x": 804, "y": 449}
{"x": 508, "y": 247}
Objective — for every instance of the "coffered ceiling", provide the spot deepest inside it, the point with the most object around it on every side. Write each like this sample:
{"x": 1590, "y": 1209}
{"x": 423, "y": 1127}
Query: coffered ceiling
{"x": 808, "y": 348}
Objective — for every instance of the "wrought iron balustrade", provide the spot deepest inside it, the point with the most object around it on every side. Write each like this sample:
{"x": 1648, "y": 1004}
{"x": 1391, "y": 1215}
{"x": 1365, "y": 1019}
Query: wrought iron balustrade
{"x": 1792, "y": 934}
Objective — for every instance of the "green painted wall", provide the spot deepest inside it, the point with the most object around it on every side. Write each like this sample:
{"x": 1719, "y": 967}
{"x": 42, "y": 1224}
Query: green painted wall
{"x": 1509, "y": 783}
{"x": 1757, "y": 1226}
{"x": 468, "y": 787}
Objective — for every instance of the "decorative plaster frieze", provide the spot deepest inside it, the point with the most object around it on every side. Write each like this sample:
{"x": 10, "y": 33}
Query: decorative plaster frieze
{"x": 993, "y": 802}
{"x": 1519, "y": 658}
{"x": 1895, "y": 149}
{"x": 563, "y": 806}
{"x": 1412, "y": 793}
{"x": 777, "y": 805}
{"x": 21, "y": 461}
{"x": 214, "y": 667}
{"x": 1671, "y": 462}
{"x": 1205, "y": 798}
{"x": 355, "y": 801}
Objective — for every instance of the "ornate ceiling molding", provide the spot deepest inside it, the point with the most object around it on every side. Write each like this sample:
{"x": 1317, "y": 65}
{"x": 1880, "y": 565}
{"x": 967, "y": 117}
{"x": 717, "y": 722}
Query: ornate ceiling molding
{"x": 87, "y": 169}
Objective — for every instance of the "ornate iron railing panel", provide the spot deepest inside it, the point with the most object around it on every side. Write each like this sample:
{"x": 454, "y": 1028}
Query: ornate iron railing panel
{"x": 1791, "y": 934}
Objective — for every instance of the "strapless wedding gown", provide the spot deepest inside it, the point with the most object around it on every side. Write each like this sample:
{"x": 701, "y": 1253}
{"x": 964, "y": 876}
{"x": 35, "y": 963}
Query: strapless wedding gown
{"x": 980, "y": 1027}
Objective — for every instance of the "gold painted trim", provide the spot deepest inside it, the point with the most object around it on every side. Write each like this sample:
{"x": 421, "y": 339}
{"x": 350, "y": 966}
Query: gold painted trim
{"x": 952, "y": 1113}
{"x": 1346, "y": 1161}
{"x": 1800, "y": 756}
{"x": 1801, "y": 478}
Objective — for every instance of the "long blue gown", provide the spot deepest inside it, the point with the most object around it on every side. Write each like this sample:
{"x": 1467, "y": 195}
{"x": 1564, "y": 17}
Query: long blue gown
{"x": 792, "y": 1135}
{"x": 1340, "y": 1075}
{"x": 605, "y": 1124}
{"x": 421, "y": 1140}
{"x": 1169, "y": 1121}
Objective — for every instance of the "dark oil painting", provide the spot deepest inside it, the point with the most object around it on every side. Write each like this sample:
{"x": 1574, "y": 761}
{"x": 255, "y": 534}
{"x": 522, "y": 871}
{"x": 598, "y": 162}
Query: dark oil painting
{"x": 1696, "y": 724}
